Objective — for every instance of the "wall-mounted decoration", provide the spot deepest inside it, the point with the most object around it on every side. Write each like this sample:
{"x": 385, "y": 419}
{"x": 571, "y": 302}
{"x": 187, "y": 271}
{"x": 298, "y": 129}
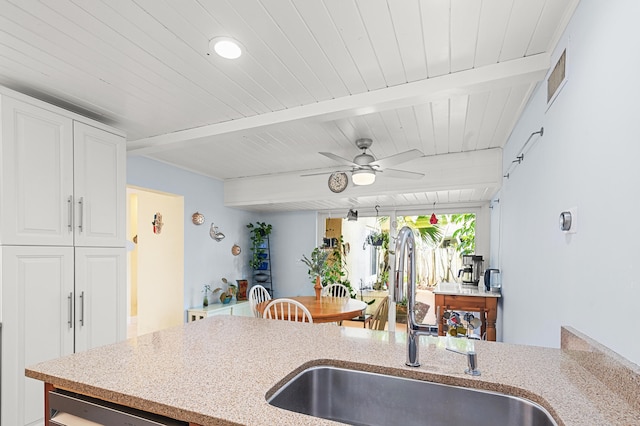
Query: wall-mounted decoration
{"x": 215, "y": 233}
{"x": 157, "y": 223}
{"x": 338, "y": 181}
{"x": 235, "y": 250}
{"x": 197, "y": 218}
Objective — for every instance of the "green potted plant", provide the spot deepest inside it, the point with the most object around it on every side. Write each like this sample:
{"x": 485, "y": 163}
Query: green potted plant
{"x": 377, "y": 238}
{"x": 381, "y": 239}
{"x": 401, "y": 311}
{"x": 336, "y": 270}
{"x": 227, "y": 295}
{"x": 258, "y": 233}
{"x": 327, "y": 266}
{"x": 206, "y": 289}
{"x": 317, "y": 265}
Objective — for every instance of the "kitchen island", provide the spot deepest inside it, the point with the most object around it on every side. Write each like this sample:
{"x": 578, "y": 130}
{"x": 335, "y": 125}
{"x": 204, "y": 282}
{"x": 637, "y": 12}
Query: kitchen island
{"x": 221, "y": 369}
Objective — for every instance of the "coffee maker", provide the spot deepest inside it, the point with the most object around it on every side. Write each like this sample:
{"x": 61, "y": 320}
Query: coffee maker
{"x": 471, "y": 269}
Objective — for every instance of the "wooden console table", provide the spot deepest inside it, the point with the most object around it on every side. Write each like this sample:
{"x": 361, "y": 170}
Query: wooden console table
{"x": 454, "y": 297}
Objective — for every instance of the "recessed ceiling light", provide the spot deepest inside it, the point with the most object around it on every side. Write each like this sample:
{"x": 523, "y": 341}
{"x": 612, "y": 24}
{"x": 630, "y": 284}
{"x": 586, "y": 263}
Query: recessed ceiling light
{"x": 226, "y": 47}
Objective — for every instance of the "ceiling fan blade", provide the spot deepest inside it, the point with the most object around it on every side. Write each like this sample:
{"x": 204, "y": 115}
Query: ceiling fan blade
{"x": 397, "y": 159}
{"x": 343, "y": 169}
{"x": 339, "y": 159}
{"x": 402, "y": 174}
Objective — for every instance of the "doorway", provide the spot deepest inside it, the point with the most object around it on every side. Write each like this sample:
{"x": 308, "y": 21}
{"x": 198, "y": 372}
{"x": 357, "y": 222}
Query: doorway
{"x": 155, "y": 282}
{"x": 440, "y": 241}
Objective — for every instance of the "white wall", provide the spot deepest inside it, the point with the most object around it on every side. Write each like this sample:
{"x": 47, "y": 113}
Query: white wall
{"x": 587, "y": 158}
{"x": 159, "y": 291}
{"x": 205, "y": 260}
{"x": 293, "y": 234}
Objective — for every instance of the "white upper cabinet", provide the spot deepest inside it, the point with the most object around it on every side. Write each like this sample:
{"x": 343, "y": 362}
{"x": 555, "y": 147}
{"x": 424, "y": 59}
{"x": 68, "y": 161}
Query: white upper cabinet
{"x": 99, "y": 187}
{"x": 63, "y": 182}
{"x": 37, "y": 176}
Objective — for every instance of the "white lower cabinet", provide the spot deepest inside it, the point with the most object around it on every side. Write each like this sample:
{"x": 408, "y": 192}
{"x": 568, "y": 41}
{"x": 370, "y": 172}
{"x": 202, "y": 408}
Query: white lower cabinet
{"x": 55, "y": 300}
{"x": 100, "y": 296}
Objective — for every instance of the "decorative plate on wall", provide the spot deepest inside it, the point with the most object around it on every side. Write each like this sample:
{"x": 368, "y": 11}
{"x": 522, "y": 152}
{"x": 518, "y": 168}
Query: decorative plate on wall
{"x": 197, "y": 218}
{"x": 235, "y": 250}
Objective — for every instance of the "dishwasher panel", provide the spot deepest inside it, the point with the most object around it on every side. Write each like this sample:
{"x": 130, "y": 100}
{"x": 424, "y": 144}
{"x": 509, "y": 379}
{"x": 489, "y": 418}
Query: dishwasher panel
{"x": 71, "y": 409}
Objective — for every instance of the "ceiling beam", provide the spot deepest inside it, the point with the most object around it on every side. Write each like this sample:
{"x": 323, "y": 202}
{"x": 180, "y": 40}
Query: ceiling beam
{"x": 464, "y": 170}
{"x": 524, "y": 70}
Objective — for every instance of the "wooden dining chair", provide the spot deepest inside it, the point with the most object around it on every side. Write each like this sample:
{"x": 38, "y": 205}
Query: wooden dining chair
{"x": 257, "y": 294}
{"x": 381, "y": 315}
{"x": 335, "y": 290}
{"x": 288, "y": 310}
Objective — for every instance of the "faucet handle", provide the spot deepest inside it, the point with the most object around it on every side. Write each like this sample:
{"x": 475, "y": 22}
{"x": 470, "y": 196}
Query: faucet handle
{"x": 472, "y": 361}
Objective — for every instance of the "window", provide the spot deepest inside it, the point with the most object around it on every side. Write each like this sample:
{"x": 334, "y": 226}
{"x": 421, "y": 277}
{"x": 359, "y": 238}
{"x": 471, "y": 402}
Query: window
{"x": 440, "y": 246}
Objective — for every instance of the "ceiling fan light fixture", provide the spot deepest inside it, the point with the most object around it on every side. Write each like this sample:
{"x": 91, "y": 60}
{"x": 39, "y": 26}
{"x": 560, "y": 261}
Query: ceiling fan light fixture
{"x": 225, "y": 47}
{"x": 363, "y": 177}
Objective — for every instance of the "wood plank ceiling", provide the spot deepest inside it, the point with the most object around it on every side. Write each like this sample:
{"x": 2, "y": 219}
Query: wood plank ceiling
{"x": 440, "y": 76}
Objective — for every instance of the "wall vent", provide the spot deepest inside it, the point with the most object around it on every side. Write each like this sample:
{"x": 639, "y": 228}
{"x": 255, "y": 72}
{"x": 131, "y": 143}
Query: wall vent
{"x": 557, "y": 77}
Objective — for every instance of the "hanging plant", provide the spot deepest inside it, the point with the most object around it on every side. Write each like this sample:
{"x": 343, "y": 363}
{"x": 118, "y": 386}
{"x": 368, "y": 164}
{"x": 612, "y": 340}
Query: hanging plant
{"x": 378, "y": 238}
{"x": 258, "y": 234}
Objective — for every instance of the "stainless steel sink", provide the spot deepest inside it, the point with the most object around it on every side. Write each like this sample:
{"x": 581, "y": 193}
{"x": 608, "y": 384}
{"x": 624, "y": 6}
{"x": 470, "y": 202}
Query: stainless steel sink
{"x": 363, "y": 398}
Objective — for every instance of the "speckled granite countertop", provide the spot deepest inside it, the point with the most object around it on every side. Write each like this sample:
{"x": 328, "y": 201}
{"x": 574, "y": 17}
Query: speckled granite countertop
{"x": 457, "y": 289}
{"x": 218, "y": 371}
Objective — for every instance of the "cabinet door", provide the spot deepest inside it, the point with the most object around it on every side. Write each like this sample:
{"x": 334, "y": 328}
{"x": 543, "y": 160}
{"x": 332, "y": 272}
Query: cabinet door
{"x": 223, "y": 310}
{"x": 37, "y": 324}
{"x": 37, "y": 176}
{"x": 242, "y": 309}
{"x": 99, "y": 187}
{"x": 100, "y": 297}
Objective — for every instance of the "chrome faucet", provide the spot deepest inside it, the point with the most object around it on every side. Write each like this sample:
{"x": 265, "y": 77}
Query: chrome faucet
{"x": 405, "y": 244}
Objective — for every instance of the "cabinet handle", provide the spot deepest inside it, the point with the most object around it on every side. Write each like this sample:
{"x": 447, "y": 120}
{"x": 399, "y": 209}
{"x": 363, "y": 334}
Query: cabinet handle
{"x": 70, "y": 209}
{"x": 82, "y": 308}
{"x": 81, "y": 219}
{"x": 70, "y": 303}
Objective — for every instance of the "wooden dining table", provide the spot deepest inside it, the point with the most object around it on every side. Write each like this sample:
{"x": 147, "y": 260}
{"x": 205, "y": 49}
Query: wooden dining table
{"x": 327, "y": 309}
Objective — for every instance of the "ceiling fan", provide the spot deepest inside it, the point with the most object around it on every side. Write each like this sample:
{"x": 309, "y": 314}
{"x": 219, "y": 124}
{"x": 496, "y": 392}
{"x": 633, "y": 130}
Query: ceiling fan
{"x": 364, "y": 166}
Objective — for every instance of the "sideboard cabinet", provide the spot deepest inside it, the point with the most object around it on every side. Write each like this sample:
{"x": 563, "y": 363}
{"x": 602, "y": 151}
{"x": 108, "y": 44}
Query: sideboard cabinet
{"x": 240, "y": 308}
